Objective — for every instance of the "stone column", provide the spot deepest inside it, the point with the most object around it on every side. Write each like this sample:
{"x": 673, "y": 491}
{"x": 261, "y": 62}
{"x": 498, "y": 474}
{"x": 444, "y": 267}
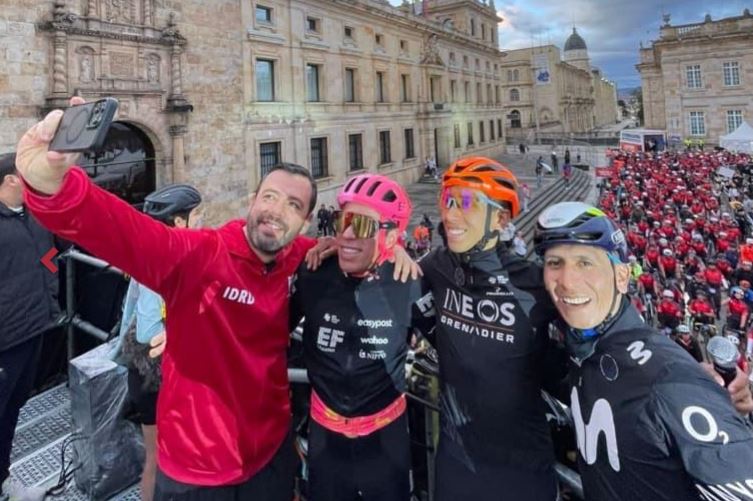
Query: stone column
{"x": 176, "y": 74}
{"x": 177, "y": 133}
{"x": 59, "y": 65}
{"x": 91, "y": 10}
{"x": 148, "y": 15}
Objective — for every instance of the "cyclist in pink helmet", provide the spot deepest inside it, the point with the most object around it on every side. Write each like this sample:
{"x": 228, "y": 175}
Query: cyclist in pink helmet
{"x": 357, "y": 320}
{"x": 388, "y": 204}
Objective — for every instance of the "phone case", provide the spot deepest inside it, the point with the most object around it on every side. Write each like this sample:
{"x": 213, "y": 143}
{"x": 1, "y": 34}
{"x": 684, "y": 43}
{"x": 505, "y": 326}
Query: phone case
{"x": 84, "y": 127}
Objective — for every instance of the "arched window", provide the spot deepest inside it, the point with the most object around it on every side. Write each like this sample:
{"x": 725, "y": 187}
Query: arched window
{"x": 515, "y": 119}
{"x": 509, "y": 75}
{"x": 514, "y": 95}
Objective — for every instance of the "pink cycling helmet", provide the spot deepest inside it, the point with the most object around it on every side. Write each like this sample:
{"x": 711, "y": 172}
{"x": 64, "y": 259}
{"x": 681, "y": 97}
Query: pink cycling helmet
{"x": 386, "y": 197}
{"x": 381, "y": 194}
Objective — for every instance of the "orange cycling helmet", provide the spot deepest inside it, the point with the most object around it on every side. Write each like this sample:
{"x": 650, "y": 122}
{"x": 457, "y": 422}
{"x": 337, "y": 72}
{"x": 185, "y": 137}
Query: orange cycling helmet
{"x": 486, "y": 175}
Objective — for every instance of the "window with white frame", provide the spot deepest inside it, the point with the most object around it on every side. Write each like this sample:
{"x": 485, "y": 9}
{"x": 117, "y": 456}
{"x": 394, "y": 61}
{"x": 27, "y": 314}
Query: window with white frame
{"x": 265, "y": 80}
{"x": 409, "y": 150}
{"x": 731, "y": 71}
{"x": 312, "y": 82}
{"x": 734, "y": 120}
{"x": 263, "y": 14}
{"x": 405, "y": 88}
{"x": 693, "y": 76}
{"x": 269, "y": 156}
{"x": 313, "y": 25}
{"x": 355, "y": 151}
{"x": 697, "y": 123}
{"x": 350, "y": 85}
{"x": 379, "y": 87}
{"x": 385, "y": 156}
{"x": 319, "y": 163}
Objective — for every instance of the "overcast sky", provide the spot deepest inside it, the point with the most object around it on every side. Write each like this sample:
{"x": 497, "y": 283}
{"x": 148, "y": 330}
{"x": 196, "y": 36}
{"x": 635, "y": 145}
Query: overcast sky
{"x": 612, "y": 29}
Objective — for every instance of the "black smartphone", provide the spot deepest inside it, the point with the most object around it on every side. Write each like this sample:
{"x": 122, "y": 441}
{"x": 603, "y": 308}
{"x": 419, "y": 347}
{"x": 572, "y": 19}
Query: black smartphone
{"x": 84, "y": 126}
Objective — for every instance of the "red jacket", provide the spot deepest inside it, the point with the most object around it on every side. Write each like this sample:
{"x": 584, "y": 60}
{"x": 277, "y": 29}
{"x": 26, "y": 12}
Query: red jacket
{"x": 223, "y": 409}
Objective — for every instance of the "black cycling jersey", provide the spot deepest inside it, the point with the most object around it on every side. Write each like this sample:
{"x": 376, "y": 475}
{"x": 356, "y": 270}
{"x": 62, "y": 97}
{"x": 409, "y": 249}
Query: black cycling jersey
{"x": 355, "y": 335}
{"x": 650, "y": 423}
{"x": 492, "y": 337}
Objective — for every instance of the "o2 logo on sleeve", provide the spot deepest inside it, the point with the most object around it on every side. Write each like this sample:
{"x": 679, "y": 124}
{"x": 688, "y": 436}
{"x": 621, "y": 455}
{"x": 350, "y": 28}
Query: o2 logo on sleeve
{"x": 701, "y": 425}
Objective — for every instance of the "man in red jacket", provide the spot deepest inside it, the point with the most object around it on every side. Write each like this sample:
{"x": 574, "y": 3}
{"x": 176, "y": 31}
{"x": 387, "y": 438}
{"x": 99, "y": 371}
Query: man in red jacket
{"x": 223, "y": 414}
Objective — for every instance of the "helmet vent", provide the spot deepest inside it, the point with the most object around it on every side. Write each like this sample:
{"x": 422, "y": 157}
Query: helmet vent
{"x": 389, "y": 196}
{"x": 373, "y": 188}
{"x": 506, "y": 183}
{"x": 360, "y": 184}
{"x": 485, "y": 168}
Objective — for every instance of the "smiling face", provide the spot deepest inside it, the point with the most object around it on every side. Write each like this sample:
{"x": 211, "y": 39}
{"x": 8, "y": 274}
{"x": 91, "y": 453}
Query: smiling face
{"x": 581, "y": 282}
{"x": 465, "y": 226}
{"x": 278, "y": 212}
{"x": 357, "y": 255}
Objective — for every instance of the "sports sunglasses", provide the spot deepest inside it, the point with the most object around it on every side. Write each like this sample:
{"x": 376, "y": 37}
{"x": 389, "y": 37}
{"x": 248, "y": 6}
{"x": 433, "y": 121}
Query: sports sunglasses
{"x": 465, "y": 200}
{"x": 361, "y": 225}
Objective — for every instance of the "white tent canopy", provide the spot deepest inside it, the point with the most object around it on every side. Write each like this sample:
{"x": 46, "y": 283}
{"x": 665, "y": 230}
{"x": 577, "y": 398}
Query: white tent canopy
{"x": 741, "y": 139}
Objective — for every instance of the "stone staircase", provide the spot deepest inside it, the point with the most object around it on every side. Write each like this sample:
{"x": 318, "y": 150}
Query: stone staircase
{"x": 580, "y": 189}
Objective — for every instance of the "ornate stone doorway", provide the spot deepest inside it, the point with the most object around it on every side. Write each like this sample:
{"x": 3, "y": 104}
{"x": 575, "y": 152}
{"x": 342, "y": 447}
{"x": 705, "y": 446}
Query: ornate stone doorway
{"x": 126, "y": 165}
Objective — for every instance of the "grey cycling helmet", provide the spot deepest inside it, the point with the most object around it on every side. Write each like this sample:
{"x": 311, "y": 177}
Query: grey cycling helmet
{"x": 579, "y": 223}
{"x": 171, "y": 200}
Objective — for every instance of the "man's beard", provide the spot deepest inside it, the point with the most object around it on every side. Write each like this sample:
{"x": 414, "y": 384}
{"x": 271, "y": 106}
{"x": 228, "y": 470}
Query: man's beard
{"x": 267, "y": 245}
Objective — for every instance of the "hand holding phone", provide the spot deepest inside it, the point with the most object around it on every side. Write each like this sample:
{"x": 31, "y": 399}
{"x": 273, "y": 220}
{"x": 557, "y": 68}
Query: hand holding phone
{"x": 40, "y": 165}
{"x": 84, "y": 126}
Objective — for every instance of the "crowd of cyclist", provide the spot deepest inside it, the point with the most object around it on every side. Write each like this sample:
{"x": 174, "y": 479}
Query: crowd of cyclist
{"x": 689, "y": 233}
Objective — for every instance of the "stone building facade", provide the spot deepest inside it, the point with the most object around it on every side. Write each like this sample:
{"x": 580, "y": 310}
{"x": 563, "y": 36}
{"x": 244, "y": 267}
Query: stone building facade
{"x": 697, "y": 79}
{"x": 559, "y": 91}
{"x": 214, "y": 92}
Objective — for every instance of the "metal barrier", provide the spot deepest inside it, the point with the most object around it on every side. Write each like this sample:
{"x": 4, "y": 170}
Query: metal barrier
{"x": 74, "y": 321}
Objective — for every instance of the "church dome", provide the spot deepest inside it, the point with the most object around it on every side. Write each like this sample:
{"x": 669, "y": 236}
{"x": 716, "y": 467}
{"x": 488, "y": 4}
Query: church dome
{"x": 575, "y": 42}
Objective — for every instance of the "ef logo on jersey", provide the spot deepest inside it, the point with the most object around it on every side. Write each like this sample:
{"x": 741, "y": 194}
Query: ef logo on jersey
{"x": 328, "y": 339}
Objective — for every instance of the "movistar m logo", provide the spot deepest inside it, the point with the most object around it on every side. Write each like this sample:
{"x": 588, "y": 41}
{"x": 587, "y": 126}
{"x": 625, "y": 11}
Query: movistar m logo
{"x": 602, "y": 421}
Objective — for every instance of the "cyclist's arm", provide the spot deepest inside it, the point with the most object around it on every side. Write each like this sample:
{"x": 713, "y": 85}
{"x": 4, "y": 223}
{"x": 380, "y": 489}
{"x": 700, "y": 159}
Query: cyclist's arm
{"x": 423, "y": 313}
{"x": 111, "y": 229}
{"x": 296, "y": 300}
{"x": 712, "y": 440}
{"x": 149, "y": 319}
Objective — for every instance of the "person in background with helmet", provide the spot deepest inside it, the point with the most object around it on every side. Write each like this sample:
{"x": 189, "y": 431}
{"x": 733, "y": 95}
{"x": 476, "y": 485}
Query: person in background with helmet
{"x": 668, "y": 312}
{"x": 688, "y": 342}
{"x": 355, "y": 335}
{"x": 142, "y": 329}
{"x": 668, "y": 268}
{"x": 700, "y": 308}
{"x": 737, "y": 309}
{"x": 491, "y": 316}
{"x": 636, "y": 270}
{"x": 669, "y": 431}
